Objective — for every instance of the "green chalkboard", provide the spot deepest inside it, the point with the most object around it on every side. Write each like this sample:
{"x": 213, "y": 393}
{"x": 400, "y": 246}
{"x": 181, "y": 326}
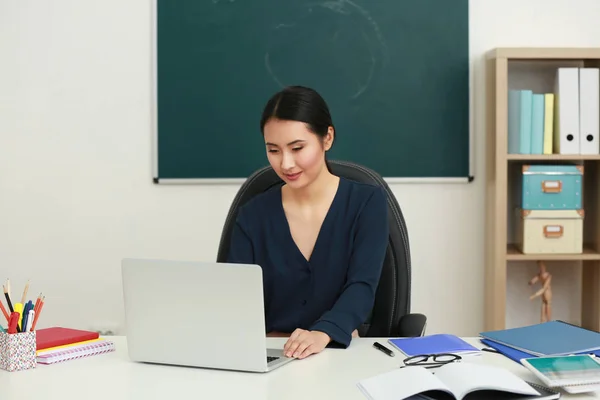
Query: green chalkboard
{"x": 395, "y": 74}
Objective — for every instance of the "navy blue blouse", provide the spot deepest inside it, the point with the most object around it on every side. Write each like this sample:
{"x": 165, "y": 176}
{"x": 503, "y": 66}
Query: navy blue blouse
{"x": 334, "y": 290}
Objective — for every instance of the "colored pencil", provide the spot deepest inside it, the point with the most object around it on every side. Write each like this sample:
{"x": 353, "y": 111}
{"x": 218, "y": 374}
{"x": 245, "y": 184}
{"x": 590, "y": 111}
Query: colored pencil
{"x": 25, "y": 294}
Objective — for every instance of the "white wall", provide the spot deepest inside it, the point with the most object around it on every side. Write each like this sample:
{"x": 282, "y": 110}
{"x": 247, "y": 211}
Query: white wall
{"x": 75, "y": 168}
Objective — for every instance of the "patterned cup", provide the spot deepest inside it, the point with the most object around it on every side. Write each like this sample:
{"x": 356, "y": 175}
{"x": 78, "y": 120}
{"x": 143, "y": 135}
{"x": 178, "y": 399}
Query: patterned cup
{"x": 17, "y": 351}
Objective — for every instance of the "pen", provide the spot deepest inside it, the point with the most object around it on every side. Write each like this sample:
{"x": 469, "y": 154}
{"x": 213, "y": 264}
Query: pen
{"x": 25, "y": 316}
{"x": 18, "y": 308}
{"x": 12, "y": 325}
{"x": 387, "y": 351}
{"x": 30, "y": 320}
{"x": 490, "y": 350}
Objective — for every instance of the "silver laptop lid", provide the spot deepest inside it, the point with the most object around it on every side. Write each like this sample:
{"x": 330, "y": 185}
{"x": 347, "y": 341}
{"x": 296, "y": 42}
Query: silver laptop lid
{"x": 195, "y": 313}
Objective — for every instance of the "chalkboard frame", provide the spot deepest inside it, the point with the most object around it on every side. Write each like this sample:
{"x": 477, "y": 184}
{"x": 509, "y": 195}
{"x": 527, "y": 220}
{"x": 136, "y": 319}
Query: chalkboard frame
{"x": 193, "y": 181}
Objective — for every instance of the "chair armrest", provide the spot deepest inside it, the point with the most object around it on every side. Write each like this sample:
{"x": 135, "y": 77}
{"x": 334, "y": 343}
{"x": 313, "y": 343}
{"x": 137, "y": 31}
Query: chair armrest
{"x": 411, "y": 325}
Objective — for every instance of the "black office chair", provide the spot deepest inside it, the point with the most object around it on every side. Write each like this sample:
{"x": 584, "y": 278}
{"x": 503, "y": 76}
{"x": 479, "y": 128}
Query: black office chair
{"x": 390, "y": 316}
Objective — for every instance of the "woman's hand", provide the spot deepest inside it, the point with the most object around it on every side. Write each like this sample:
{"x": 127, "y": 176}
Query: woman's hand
{"x": 303, "y": 343}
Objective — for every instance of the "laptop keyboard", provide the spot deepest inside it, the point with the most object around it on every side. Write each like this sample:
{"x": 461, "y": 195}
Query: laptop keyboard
{"x": 271, "y": 359}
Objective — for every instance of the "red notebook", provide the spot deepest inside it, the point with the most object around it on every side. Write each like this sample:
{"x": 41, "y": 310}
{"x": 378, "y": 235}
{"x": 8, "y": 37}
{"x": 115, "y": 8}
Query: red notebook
{"x": 57, "y": 336}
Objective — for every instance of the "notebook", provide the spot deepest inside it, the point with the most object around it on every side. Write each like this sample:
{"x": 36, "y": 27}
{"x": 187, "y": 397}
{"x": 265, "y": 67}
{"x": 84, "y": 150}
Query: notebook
{"x": 58, "y": 336}
{"x": 64, "y": 346}
{"x": 548, "y": 338}
{"x": 455, "y": 381}
{"x": 433, "y": 344}
{"x": 75, "y": 352}
{"x": 558, "y": 371}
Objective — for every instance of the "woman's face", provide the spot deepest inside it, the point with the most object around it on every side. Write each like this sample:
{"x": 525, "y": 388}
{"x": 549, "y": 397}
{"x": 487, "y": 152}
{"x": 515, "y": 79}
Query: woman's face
{"x": 296, "y": 154}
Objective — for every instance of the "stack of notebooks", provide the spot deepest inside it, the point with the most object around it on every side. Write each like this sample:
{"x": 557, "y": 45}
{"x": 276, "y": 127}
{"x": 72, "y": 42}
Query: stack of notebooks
{"x": 549, "y": 339}
{"x": 59, "y": 344}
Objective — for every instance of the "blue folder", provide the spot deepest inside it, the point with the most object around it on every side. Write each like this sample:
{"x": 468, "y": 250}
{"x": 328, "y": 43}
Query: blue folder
{"x": 433, "y": 344}
{"x": 548, "y": 338}
{"x": 517, "y": 355}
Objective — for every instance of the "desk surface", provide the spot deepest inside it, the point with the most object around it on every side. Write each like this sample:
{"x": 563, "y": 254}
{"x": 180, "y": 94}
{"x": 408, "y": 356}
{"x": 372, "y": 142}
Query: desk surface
{"x": 332, "y": 374}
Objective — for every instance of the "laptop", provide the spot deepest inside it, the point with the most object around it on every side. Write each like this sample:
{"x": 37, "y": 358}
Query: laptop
{"x": 197, "y": 314}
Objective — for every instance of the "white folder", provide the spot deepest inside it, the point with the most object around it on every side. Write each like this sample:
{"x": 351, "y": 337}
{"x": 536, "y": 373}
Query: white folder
{"x": 566, "y": 94}
{"x": 589, "y": 109}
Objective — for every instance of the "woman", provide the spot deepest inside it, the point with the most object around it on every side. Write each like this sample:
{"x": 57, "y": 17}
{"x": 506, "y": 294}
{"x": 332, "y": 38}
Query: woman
{"x": 320, "y": 239}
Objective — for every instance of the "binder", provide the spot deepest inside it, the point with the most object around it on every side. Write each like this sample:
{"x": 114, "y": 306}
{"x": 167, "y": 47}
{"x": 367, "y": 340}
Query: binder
{"x": 517, "y": 355}
{"x": 589, "y": 106}
{"x": 551, "y": 338}
{"x": 566, "y": 96}
{"x": 526, "y": 104}
{"x": 519, "y": 121}
{"x": 548, "y": 122}
{"x": 514, "y": 116}
{"x": 537, "y": 124}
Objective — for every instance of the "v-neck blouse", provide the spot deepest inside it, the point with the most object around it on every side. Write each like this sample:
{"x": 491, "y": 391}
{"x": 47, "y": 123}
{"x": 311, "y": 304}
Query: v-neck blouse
{"x": 334, "y": 290}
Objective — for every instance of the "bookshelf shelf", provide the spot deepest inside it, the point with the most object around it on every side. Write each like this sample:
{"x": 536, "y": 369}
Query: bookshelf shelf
{"x": 545, "y": 53}
{"x": 534, "y": 69}
{"x": 552, "y": 157}
{"x": 514, "y": 254}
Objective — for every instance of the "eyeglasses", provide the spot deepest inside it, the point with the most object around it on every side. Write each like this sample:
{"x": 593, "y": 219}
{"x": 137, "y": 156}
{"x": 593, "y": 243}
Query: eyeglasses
{"x": 431, "y": 360}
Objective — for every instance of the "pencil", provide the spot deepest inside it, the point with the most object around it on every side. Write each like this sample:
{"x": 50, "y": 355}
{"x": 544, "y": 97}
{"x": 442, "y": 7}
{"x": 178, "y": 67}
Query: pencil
{"x": 37, "y": 314}
{"x": 10, "y": 307}
{"x": 4, "y": 312}
{"x": 25, "y": 294}
{"x": 37, "y": 303}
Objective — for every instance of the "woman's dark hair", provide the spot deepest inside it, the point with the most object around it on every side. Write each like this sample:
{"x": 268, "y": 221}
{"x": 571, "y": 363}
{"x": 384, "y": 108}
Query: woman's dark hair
{"x": 302, "y": 104}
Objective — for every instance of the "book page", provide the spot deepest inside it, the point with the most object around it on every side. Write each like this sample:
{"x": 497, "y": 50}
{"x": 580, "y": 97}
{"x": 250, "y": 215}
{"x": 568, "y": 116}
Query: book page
{"x": 400, "y": 383}
{"x": 464, "y": 378}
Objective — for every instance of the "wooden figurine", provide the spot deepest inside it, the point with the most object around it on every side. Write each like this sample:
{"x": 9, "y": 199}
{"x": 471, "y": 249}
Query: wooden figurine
{"x": 545, "y": 278}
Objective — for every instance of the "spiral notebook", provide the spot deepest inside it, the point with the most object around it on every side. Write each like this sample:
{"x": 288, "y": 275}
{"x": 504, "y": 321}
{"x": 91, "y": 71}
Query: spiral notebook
{"x": 561, "y": 371}
{"x": 75, "y": 352}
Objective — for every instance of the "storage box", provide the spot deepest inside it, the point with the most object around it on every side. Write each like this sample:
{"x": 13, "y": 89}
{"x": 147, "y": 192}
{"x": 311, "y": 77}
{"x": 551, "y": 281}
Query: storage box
{"x": 17, "y": 351}
{"x": 552, "y": 187}
{"x": 550, "y": 231}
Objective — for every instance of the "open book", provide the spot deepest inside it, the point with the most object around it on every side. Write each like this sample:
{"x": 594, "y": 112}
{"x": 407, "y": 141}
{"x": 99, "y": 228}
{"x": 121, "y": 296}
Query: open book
{"x": 452, "y": 381}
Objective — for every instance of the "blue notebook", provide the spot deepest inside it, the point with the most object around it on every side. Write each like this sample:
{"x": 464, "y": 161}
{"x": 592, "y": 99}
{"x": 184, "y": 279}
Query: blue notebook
{"x": 548, "y": 338}
{"x": 433, "y": 344}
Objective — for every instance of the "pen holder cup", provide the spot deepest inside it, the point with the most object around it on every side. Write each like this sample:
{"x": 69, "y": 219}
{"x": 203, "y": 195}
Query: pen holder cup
{"x": 18, "y": 351}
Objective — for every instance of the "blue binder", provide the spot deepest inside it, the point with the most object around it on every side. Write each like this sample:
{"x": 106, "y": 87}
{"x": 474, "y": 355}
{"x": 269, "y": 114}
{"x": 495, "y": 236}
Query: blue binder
{"x": 517, "y": 355}
{"x": 548, "y": 338}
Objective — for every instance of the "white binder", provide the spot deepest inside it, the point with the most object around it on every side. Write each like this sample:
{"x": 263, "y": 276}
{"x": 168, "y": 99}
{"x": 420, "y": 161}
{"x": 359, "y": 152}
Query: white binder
{"x": 566, "y": 127}
{"x": 589, "y": 108}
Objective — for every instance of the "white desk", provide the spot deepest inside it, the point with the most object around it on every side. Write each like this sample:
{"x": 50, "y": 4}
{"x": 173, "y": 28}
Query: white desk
{"x": 332, "y": 374}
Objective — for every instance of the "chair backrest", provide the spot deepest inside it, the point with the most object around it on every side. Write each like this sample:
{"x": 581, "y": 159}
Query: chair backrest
{"x": 392, "y": 299}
